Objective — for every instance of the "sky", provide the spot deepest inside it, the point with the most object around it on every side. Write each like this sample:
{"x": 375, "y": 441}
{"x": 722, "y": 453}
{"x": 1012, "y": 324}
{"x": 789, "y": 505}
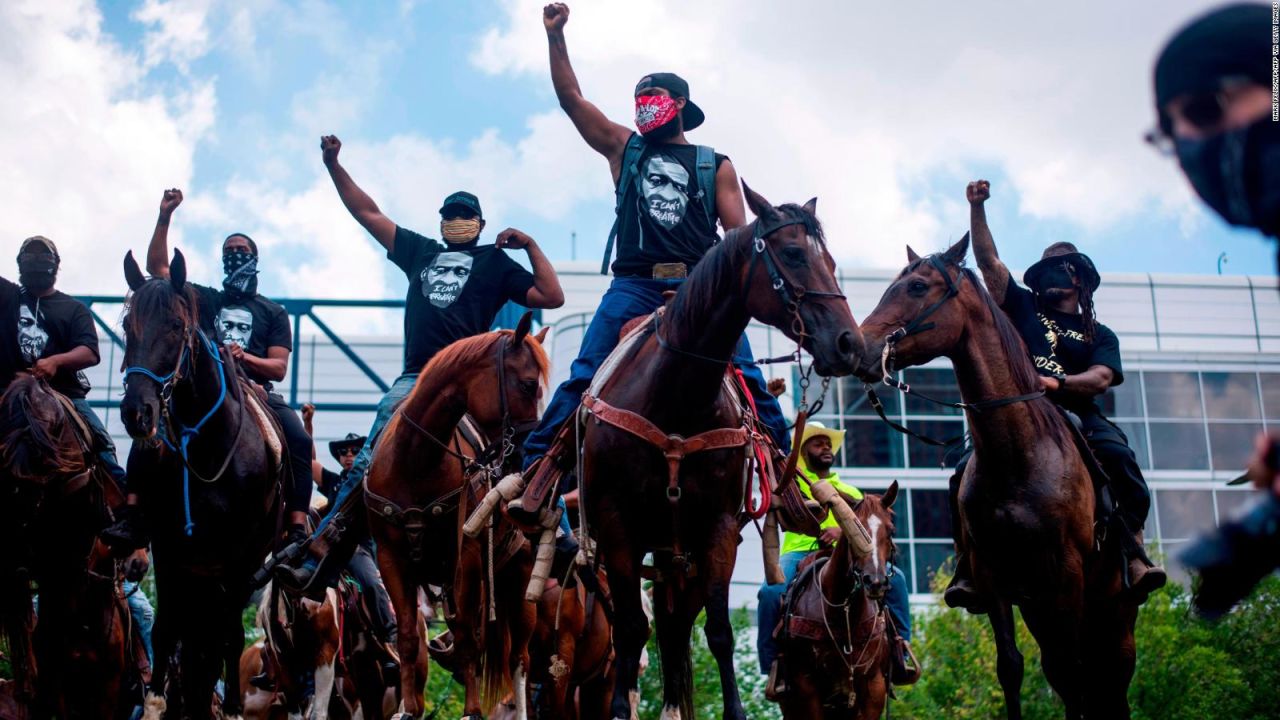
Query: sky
{"x": 884, "y": 111}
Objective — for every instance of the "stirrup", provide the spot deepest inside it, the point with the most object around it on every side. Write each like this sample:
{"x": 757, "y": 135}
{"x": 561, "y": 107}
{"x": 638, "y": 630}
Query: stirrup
{"x": 776, "y": 688}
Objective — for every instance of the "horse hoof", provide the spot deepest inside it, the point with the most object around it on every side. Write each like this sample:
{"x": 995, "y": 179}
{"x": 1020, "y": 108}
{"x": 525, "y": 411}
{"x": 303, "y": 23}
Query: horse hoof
{"x": 153, "y": 707}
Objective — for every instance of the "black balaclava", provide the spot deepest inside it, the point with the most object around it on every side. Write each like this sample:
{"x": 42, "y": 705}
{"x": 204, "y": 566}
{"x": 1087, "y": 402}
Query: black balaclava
{"x": 38, "y": 264}
{"x": 240, "y": 270}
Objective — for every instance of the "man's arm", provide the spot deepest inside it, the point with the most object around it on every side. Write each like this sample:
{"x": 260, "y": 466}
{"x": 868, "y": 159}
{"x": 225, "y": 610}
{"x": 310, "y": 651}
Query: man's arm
{"x": 158, "y": 250}
{"x": 73, "y": 360}
{"x": 603, "y": 135}
{"x": 994, "y": 272}
{"x": 359, "y": 204}
{"x": 272, "y": 367}
{"x": 1090, "y": 383}
{"x": 729, "y": 203}
{"x": 546, "y": 291}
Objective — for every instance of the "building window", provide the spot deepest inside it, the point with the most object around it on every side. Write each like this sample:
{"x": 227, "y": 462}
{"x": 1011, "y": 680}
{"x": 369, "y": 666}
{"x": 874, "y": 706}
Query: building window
{"x": 1124, "y": 400}
{"x": 1232, "y": 444}
{"x": 1135, "y": 431}
{"x": 931, "y": 514}
{"x": 1178, "y": 446}
{"x": 927, "y": 456}
{"x": 1231, "y": 396}
{"x": 871, "y": 443}
{"x": 1270, "y": 394}
{"x": 930, "y": 557}
{"x": 1172, "y": 395}
{"x": 1185, "y": 514}
{"x": 938, "y": 383}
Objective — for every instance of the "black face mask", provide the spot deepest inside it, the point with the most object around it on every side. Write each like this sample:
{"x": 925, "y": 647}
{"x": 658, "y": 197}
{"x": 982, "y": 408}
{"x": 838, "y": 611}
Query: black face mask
{"x": 37, "y": 271}
{"x": 1056, "y": 278}
{"x": 241, "y": 274}
{"x": 1237, "y": 173}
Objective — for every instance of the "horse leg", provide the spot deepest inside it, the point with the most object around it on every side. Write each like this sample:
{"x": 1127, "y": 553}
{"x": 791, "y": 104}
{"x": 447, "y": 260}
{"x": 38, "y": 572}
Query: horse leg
{"x": 632, "y": 630}
{"x": 802, "y": 702}
{"x": 232, "y": 646}
{"x": 721, "y": 555}
{"x": 873, "y": 693}
{"x": 163, "y": 643}
{"x": 522, "y": 618}
{"x": 326, "y": 660}
{"x": 1009, "y": 666}
{"x": 403, "y": 589}
{"x": 1112, "y": 655}
{"x": 1058, "y": 631}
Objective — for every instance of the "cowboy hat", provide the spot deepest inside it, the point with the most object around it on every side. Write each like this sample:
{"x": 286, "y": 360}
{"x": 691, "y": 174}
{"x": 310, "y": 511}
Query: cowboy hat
{"x": 813, "y": 429}
{"x": 352, "y": 440}
{"x": 1056, "y": 254}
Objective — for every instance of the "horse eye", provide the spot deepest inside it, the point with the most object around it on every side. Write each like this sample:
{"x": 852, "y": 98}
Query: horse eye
{"x": 917, "y": 287}
{"x": 529, "y": 387}
{"x": 793, "y": 256}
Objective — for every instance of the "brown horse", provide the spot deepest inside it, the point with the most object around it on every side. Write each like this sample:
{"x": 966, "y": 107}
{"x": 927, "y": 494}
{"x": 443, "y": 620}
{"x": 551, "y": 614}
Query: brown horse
{"x": 1026, "y": 500}
{"x": 418, "y": 490}
{"x": 833, "y": 633}
{"x": 650, "y": 484}
{"x": 303, "y": 637}
{"x": 56, "y": 501}
{"x": 572, "y": 653}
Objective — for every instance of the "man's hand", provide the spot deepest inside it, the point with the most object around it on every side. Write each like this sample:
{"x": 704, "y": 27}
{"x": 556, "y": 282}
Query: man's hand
{"x": 554, "y": 16}
{"x": 978, "y": 192}
{"x": 329, "y": 147}
{"x": 829, "y": 537}
{"x": 1050, "y": 384}
{"x": 237, "y": 352}
{"x": 777, "y": 387}
{"x": 513, "y": 239}
{"x": 308, "y": 412}
{"x": 170, "y": 202}
{"x": 45, "y": 367}
{"x": 1264, "y": 466}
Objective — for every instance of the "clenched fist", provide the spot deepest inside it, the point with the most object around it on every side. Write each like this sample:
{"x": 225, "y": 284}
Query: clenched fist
{"x": 978, "y": 192}
{"x": 170, "y": 201}
{"x": 554, "y": 16}
{"x": 329, "y": 146}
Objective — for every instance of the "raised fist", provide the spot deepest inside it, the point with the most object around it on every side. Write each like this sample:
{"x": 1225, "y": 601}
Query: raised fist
{"x": 308, "y": 412}
{"x": 554, "y": 16}
{"x": 513, "y": 238}
{"x": 978, "y": 192}
{"x": 330, "y": 145}
{"x": 171, "y": 200}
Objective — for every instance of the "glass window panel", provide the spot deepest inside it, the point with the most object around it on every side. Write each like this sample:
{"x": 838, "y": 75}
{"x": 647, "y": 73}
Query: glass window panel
{"x": 1232, "y": 444}
{"x": 856, "y": 403}
{"x": 1136, "y": 432}
{"x": 1231, "y": 396}
{"x": 1124, "y": 400}
{"x": 1185, "y": 513}
{"x": 1271, "y": 394}
{"x": 903, "y": 561}
{"x": 928, "y": 456}
{"x": 1178, "y": 446}
{"x": 1233, "y": 503}
{"x": 939, "y": 383}
{"x": 871, "y": 443}
{"x": 1172, "y": 394}
{"x": 930, "y": 557}
{"x": 931, "y": 514}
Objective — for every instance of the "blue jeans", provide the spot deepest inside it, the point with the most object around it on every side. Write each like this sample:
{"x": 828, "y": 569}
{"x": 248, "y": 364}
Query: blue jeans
{"x": 143, "y": 614}
{"x": 629, "y": 298}
{"x": 769, "y": 607}
{"x": 106, "y": 446}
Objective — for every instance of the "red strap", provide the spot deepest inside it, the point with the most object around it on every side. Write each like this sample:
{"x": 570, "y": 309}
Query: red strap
{"x": 766, "y": 493}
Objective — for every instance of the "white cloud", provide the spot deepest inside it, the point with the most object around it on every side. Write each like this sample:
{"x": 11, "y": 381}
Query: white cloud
{"x": 88, "y": 145}
{"x": 863, "y": 104}
{"x": 180, "y": 33}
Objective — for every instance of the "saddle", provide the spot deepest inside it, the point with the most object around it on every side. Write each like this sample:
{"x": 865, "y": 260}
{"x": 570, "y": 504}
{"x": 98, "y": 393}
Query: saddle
{"x": 255, "y": 399}
{"x": 1104, "y": 504}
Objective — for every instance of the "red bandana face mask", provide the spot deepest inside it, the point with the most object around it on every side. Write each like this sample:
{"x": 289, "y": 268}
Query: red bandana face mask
{"x": 654, "y": 111}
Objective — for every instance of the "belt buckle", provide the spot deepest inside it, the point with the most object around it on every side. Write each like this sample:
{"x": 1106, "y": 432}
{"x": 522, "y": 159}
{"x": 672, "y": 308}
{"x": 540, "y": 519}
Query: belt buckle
{"x": 670, "y": 271}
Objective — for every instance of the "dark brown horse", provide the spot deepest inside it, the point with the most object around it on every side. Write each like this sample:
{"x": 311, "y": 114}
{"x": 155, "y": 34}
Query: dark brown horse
{"x": 56, "y": 499}
{"x": 213, "y": 478}
{"x": 1026, "y": 498}
{"x": 418, "y": 492}
{"x": 683, "y": 502}
{"x": 572, "y": 653}
{"x": 833, "y": 637}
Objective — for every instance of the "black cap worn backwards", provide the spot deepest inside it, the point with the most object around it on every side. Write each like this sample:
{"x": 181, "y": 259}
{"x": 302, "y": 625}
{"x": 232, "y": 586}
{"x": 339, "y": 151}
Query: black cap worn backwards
{"x": 676, "y": 85}
{"x": 1232, "y": 41}
{"x": 462, "y": 199}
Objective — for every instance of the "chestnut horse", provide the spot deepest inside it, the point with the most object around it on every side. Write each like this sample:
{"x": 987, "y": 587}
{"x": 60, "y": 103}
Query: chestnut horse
{"x": 572, "y": 652}
{"x": 75, "y": 662}
{"x": 417, "y": 492}
{"x": 833, "y": 625}
{"x": 213, "y": 487}
{"x": 1026, "y": 499}
{"x": 639, "y": 497}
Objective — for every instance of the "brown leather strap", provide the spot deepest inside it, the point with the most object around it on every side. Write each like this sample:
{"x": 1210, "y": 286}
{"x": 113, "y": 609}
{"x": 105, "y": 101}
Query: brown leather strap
{"x": 803, "y": 627}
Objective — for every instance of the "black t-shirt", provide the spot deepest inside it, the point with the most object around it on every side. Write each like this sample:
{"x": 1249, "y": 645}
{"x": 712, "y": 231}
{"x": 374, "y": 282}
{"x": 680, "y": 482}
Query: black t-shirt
{"x": 32, "y": 328}
{"x": 255, "y": 325}
{"x": 1057, "y": 343}
{"x": 665, "y": 222}
{"x": 455, "y": 292}
{"x": 330, "y": 481}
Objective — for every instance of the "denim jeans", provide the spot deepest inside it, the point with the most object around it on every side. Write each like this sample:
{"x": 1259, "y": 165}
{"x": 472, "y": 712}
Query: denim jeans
{"x": 628, "y": 298}
{"x": 143, "y": 614}
{"x": 106, "y": 446}
{"x": 769, "y": 607}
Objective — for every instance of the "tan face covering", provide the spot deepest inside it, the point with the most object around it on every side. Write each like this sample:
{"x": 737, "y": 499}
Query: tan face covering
{"x": 460, "y": 231}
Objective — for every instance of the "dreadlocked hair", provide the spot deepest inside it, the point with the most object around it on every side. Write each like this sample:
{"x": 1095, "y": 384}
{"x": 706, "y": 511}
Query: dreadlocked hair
{"x": 1088, "y": 314}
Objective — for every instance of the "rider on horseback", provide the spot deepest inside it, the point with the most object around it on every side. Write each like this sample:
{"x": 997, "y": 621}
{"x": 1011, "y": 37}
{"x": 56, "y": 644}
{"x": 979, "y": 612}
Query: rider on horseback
{"x": 817, "y": 455}
{"x": 1078, "y": 359}
{"x": 455, "y": 291}
{"x": 256, "y": 332}
{"x": 55, "y": 338}
{"x": 670, "y": 194}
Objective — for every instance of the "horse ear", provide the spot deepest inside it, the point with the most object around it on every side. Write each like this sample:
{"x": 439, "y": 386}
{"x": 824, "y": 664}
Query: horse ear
{"x": 178, "y": 271}
{"x": 133, "y": 273}
{"x": 541, "y": 336}
{"x": 912, "y": 255}
{"x": 955, "y": 254}
{"x": 890, "y": 495}
{"x": 811, "y": 207}
{"x": 760, "y": 207}
{"x": 522, "y": 329}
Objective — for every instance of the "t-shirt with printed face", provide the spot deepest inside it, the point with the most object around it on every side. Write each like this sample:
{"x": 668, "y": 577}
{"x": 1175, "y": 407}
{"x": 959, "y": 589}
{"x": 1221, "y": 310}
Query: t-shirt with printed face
{"x": 665, "y": 221}
{"x": 41, "y": 327}
{"x": 257, "y": 324}
{"x": 455, "y": 291}
{"x": 1057, "y": 343}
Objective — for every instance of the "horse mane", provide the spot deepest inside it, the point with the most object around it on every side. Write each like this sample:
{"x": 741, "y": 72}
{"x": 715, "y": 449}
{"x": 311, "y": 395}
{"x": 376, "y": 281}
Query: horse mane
{"x": 468, "y": 352}
{"x": 158, "y": 296}
{"x": 34, "y": 431}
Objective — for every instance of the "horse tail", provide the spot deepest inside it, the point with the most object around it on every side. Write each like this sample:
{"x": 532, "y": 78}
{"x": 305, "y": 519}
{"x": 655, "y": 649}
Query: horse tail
{"x": 495, "y": 656}
{"x": 682, "y": 664}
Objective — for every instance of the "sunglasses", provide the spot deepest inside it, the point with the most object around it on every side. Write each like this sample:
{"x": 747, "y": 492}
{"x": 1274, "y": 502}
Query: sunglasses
{"x": 347, "y": 451}
{"x": 1205, "y": 112}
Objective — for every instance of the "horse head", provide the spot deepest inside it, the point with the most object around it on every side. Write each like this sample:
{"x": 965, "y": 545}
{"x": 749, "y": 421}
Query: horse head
{"x": 876, "y": 514}
{"x": 791, "y": 284}
{"x": 160, "y": 329}
{"x": 37, "y": 437}
{"x": 521, "y": 366}
{"x": 923, "y": 313}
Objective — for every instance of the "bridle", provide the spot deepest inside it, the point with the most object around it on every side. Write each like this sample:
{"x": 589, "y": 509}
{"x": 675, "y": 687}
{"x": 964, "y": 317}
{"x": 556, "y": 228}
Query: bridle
{"x": 917, "y": 326}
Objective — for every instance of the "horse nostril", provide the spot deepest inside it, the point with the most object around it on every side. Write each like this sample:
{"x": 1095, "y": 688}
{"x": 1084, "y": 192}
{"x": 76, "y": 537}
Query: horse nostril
{"x": 844, "y": 343}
